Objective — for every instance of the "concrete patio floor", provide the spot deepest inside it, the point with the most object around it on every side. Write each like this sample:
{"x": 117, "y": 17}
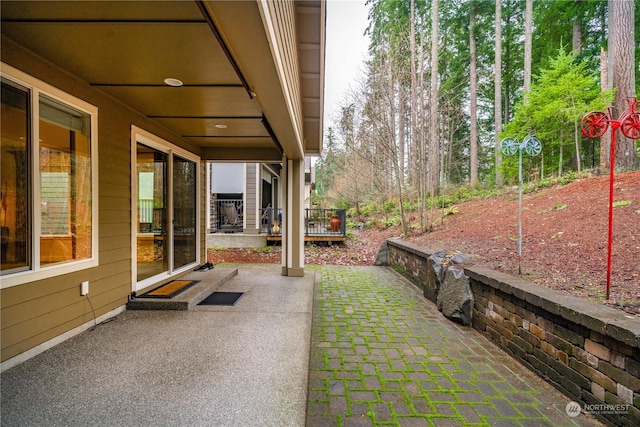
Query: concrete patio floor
{"x": 244, "y": 365}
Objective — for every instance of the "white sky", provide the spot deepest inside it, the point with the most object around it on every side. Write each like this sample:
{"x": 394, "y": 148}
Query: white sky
{"x": 346, "y": 51}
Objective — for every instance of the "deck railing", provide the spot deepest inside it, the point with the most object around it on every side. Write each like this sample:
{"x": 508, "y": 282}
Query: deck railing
{"x": 317, "y": 222}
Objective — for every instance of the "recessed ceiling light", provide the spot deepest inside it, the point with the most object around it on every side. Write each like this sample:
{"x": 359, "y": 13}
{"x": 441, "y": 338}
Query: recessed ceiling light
{"x": 173, "y": 82}
{"x": 220, "y": 126}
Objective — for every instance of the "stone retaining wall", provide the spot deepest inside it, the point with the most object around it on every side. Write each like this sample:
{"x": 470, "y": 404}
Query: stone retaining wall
{"x": 588, "y": 351}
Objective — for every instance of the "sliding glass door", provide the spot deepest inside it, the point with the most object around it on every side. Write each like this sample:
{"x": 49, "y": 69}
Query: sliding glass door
{"x": 151, "y": 240}
{"x": 184, "y": 212}
{"x": 166, "y": 224}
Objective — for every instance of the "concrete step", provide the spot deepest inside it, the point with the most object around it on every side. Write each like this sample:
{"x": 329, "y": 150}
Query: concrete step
{"x": 210, "y": 281}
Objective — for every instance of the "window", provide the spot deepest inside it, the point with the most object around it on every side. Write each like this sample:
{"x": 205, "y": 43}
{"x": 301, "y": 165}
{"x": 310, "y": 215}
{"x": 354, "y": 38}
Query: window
{"x": 48, "y": 181}
{"x": 14, "y": 184}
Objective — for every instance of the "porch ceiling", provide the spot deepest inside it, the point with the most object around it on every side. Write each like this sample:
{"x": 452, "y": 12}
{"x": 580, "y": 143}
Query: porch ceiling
{"x": 232, "y": 104}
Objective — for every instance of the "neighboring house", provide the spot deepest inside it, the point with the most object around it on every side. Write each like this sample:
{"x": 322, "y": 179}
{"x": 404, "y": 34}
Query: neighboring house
{"x": 110, "y": 113}
{"x": 241, "y": 195}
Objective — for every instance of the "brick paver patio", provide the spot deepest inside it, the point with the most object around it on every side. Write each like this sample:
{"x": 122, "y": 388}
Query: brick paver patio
{"x": 381, "y": 354}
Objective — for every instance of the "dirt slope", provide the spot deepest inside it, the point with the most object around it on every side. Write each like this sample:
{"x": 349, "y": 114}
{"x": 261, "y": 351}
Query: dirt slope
{"x": 565, "y": 237}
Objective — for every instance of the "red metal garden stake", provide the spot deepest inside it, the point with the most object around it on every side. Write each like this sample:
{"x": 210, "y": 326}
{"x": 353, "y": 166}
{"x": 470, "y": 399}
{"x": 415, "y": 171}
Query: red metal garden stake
{"x": 594, "y": 125}
{"x": 614, "y": 127}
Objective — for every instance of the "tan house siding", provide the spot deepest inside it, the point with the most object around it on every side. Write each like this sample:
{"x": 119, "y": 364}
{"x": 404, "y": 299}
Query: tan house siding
{"x": 33, "y": 313}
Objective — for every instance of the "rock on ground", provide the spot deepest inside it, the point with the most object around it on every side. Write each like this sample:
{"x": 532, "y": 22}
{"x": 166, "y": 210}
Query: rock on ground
{"x": 455, "y": 299}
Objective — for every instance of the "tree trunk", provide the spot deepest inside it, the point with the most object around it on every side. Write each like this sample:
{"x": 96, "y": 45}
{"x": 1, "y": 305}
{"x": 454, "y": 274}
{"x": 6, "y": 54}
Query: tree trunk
{"x": 498, "y": 90}
{"x": 605, "y": 140}
{"x": 446, "y": 177}
{"x": 473, "y": 108}
{"x": 421, "y": 90}
{"x": 401, "y": 131}
{"x": 444, "y": 149}
{"x": 412, "y": 48}
{"x": 560, "y": 161}
{"x": 413, "y": 98}
{"x": 621, "y": 24}
{"x": 506, "y": 85}
{"x": 393, "y": 132}
{"x": 422, "y": 132}
{"x": 433, "y": 98}
{"x": 397, "y": 165}
{"x": 576, "y": 45}
{"x": 528, "y": 29}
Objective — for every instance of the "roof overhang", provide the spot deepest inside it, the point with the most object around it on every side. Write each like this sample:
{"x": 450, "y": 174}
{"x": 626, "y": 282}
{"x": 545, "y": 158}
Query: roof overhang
{"x": 252, "y": 71}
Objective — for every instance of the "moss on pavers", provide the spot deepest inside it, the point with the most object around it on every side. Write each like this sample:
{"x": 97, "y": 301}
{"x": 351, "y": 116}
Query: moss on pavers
{"x": 382, "y": 355}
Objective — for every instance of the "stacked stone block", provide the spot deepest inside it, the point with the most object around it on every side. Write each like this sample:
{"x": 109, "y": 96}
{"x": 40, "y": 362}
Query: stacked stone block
{"x": 412, "y": 261}
{"x": 588, "y": 351}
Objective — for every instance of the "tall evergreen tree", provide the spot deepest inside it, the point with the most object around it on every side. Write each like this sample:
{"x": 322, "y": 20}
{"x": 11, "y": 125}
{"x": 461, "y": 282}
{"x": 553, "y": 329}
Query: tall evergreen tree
{"x": 621, "y": 29}
{"x": 497, "y": 65}
{"x": 557, "y": 102}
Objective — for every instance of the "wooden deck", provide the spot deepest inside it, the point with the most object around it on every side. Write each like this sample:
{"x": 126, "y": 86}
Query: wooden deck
{"x": 330, "y": 238}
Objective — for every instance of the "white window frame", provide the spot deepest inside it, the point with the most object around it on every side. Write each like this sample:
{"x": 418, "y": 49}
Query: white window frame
{"x": 36, "y": 88}
{"x": 139, "y": 135}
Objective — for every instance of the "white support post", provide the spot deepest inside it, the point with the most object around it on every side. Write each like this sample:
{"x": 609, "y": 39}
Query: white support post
{"x": 293, "y": 218}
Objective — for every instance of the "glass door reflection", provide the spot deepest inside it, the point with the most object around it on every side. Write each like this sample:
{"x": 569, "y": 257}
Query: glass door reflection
{"x": 152, "y": 248}
{"x": 184, "y": 212}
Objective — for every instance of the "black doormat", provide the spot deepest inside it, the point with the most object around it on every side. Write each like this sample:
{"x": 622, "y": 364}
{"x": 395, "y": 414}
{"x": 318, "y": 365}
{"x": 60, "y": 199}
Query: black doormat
{"x": 170, "y": 290}
{"x": 222, "y": 298}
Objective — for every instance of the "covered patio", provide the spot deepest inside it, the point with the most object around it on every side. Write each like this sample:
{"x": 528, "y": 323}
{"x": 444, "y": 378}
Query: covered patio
{"x": 154, "y": 90}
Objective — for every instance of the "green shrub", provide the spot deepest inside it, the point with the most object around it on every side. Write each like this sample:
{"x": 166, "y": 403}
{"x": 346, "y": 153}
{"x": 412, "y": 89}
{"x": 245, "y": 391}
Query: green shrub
{"x": 367, "y": 209}
{"x": 390, "y": 206}
{"x": 463, "y": 193}
{"x": 392, "y": 221}
{"x": 352, "y": 224}
{"x": 374, "y": 223}
{"x": 450, "y": 211}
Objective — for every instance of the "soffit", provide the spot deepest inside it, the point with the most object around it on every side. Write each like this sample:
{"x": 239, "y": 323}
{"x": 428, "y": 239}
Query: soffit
{"x": 127, "y": 49}
{"x": 311, "y": 54}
